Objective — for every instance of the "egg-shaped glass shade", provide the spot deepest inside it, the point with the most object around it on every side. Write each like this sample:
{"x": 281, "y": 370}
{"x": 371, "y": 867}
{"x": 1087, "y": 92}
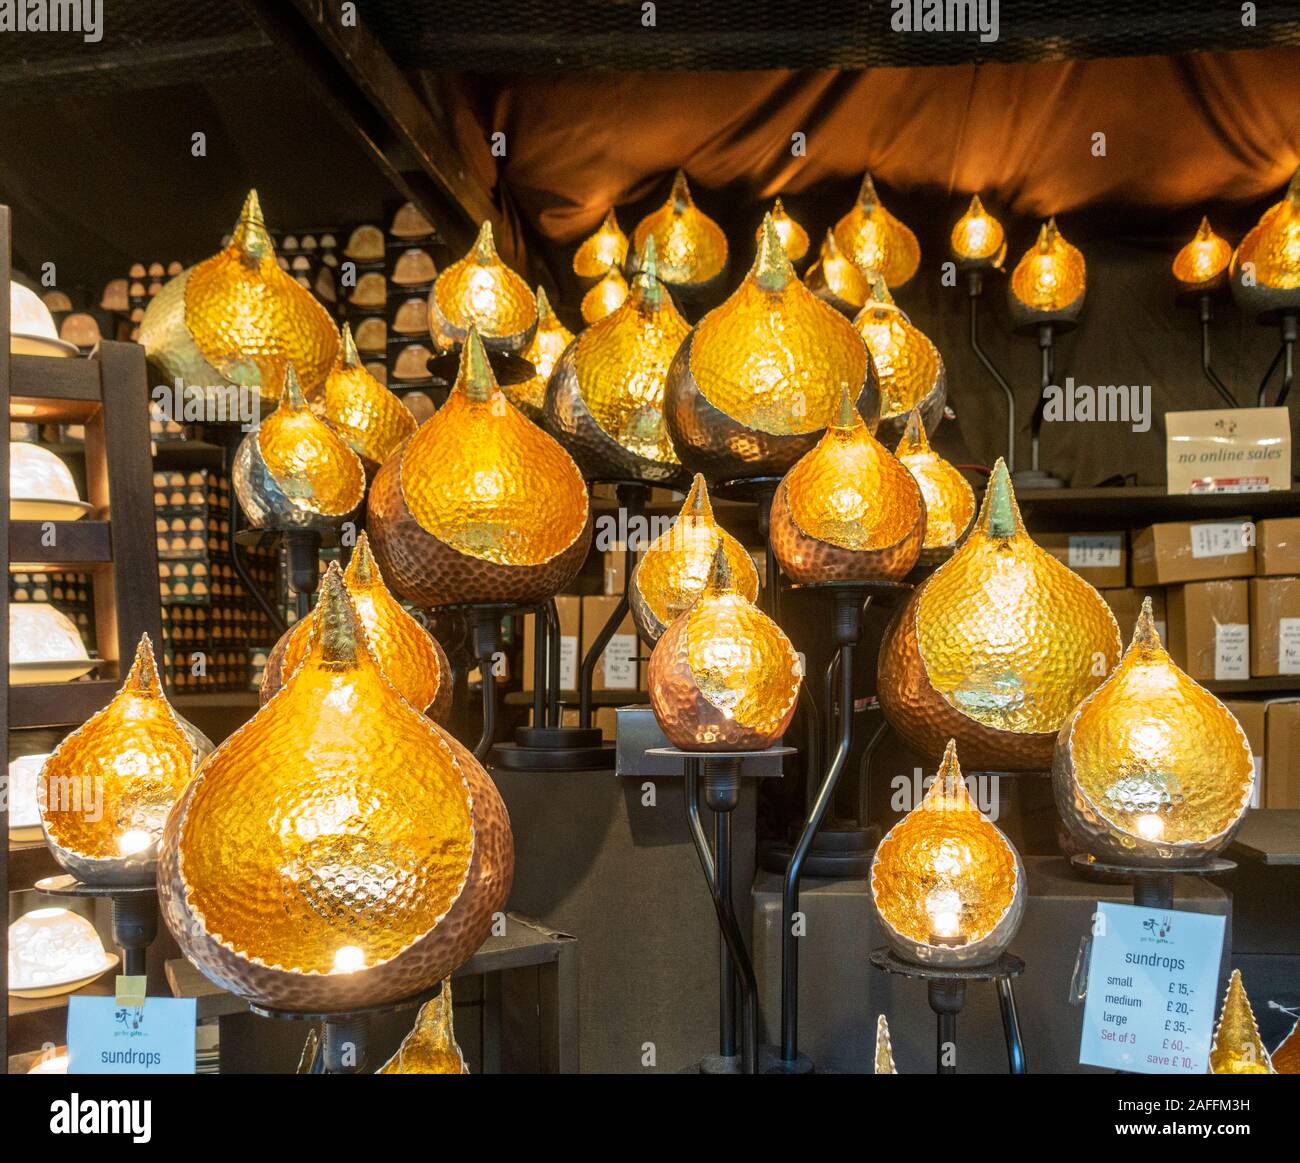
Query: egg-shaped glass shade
{"x": 605, "y": 401}
{"x": 405, "y": 651}
{"x": 480, "y": 290}
{"x": 997, "y": 647}
{"x": 692, "y": 248}
{"x": 848, "y": 510}
{"x": 105, "y": 792}
{"x": 909, "y": 368}
{"x": 294, "y": 470}
{"x": 602, "y": 250}
{"x": 1265, "y": 268}
{"x": 40, "y": 633}
{"x": 36, "y": 474}
{"x": 1050, "y": 279}
{"x": 606, "y": 297}
{"x": 1237, "y": 1047}
{"x": 1151, "y": 768}
{"x": 675, "y": 568}
{"x": 543, "y": 352}
{"x": 877, "y": 241}
{"x": 949, "y": 499}
{"x": 481, "y": 504}
{"x": 977, "y": 238}
{"x": 371, "y": 420}
{"x": 794, "y": 238}
{"x": 1202, "y": 264}
{"x": 49, "y": 947}
{"x": 431, "y": 1046}
{"x": 723, "y": 677}
{"x": 948, "y": 887}
{"x": 347, "y": 820}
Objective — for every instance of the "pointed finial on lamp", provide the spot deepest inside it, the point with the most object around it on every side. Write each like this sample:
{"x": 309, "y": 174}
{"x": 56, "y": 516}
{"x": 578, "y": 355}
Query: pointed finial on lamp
{"x": 1000, "y": 515}
{"x": 474, "y": 377}
{"x": 771, "y": 270}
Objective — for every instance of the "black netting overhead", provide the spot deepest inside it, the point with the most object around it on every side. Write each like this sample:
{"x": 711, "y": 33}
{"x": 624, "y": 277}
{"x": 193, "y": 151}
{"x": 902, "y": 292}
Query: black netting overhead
{"x": 608, "y": 35}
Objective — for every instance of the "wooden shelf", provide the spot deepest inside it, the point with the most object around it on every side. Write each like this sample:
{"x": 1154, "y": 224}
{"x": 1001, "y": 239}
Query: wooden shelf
{"x": 75, "y": 544}
{"x": 30, "y": 861}
{"x": 1286, "y": 684}
{"x": 598, "y": 698}
{"x": 198, "y": 700}
{"x": 1269, "y": 836}
{"x": 58, "y": 704}
{"x": 35, "y": 1021}
{"x": 1134, "y": 505}
{"x": 188, "y": 454}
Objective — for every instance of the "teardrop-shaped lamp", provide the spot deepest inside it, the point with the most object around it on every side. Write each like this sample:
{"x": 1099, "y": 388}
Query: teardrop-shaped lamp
{"x": 949, "y": 499}
{"x": 794, "y": 238}
{"x": 543, "y": 352}
{"x": 1049, "y": 281}
{"x": 691, "y": 247}
{"x": 995, "y": 648}
{"x": 1265, "y": 270}
{"x": 602, "y": 250}
{"x": 877, "y": 241}
{"x": 978, "y": 240}
{"x": 606, "y": 297}
{"x": 1202, "y": 264}
{"x": 837, "y": 279}
{"x": 481, "y": 291}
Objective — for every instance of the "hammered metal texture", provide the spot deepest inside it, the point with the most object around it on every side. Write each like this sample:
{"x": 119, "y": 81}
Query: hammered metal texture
{"x": 977, "y": 238}
{"x": 317, "y": 859}
{"x": 1049, "y": 281}
{"x": 723, "y": 677}
{"x": 249, "y": 318}
{"x": 1237, "y": 1047}
{"x": 602, "y": 250}
{"x": 1286, "y": 1058}
{"x": 996, "y": 647}
{"x": 105, "y": 792}
{"x": 1151, "y": 768}
{"x": 294, "y": 471}
{"x": 949, "y": 499}
{"x": 692, "y": 248}
{"x": 909, "y": 368}
{"x": 1273, "y": 246}
{"x": 675, "y": 567}
{"x": 431, "y": 1046}
{"x": 410, "y": 657}
{"x": 480, "y": 505}
{"x": 848, "y": 511}
{"x": 884, "y": 1058}
{"x": 877, "y": 241}
{"x": 167, "y": 340}
{"x": 480, "y": 290}
{"x": 1203, "y": 262}
{"x": 605, "y": 401}
{"x": 837, "y": 280}
{"x": 370, "y": 419}
{"x": 794, "y": 238}
{"x": 760, "y": 377}
{"x": 606, "y": 297}
{"x": 947, "y": 885}
{"x": 543, "y": 352}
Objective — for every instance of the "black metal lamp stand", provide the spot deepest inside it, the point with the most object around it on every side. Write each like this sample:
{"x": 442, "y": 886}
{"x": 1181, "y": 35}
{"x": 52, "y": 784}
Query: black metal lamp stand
{"x": 1153, "y": 888}
{"x": 135, "y": 915}
{"x": 1035, "y": 477}
{"x": 1287, "y": 323}
{"x": 974, "y": 290}
{"x": 761, "y": 491}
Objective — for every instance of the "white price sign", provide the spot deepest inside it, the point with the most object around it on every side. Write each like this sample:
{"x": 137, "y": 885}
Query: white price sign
{"x": 1220, "y": 538}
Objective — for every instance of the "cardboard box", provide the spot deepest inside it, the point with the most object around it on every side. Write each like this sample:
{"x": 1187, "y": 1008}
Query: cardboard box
{"x": 1209, "y": 629}
{"x": 569, "y": 609}
{"x": 618, "y": 668}
{"x": 1282, "y": 754}
{"x": 1101, "y": 558}
{"x": 1274, "y": 626}
{"x": 1251, "y": 714}
{"x": 1126, "y": 604}
{"x": 1182, "y": 551}
{"x": 607, "y": 720}
{"x": 1277, "y": 546}
{"x": 614, "y": 563}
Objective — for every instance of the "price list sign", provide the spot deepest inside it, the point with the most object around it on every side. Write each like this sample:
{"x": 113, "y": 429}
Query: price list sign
{"x": 1152, "y": 990}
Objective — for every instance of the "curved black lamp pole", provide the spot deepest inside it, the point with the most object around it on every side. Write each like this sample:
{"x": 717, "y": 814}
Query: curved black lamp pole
{"x": 1286, "y": 357}
{"x": 974, "y": 289}
{"x": 1207, "y": 317}
{"x": 487, "y": 644}
{"x": 1047, "y": 349}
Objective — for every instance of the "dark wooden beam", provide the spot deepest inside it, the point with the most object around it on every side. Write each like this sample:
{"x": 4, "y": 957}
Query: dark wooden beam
{"x": 355, "y": 78}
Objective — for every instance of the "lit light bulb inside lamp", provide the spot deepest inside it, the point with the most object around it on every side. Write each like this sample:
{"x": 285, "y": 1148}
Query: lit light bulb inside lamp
{"x": 943, "y": 907}
{"x": 136, "y": 840}
{"x": 348, "y": 959}
{"x": 1150, "y": 827}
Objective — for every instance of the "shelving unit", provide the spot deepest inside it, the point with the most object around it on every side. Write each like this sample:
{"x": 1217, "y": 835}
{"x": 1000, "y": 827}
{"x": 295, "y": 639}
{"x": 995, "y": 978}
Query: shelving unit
{"x": 107, "y": 393}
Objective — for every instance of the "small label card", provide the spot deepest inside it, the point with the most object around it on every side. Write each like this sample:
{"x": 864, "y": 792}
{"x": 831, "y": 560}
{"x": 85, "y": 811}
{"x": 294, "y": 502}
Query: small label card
{"x": 1221, "y": 538}
{"x": 105, "y": 1037}
{"x": 1103, "y": 550}
{"x": 1152, "y": 990}
{"x": 1232, "y": 651}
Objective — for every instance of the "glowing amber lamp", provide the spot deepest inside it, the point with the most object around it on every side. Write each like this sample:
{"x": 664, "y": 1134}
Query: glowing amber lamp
{"x": 884, "y": 1063}
{"x": 1151, "y": 768}
{"x": 1202, "y": 265}
{"x": 1265, "y": 269}
{"x": 794, "y": 238}
{"x": 238, "y": 317}
{"x": 997, "y": 647}
{"x": 604, "y": 249}
{"x": 405, "y": 651}
{"x": 1049, "y": 281}
{"x": 1286, "y": 1058}
{"x": 605, "y": 401}
{"x": 947, "y": 885}
{"x": 877, "y": 241}
{"x": 761, "y": 376}
{"x": 848, "y": 511}
{"x": 481, "y": 504}
{"x": 674, "y": 570}
{"x": 543, "y": 352}
{"x": 105, "y": 792}
{"x": 605, "y": 297}
{"x": 724, "y": 676}
{"x": 691, "y": 247}
{"x": 837, "y": 280}
{"x": 294, "y": 471}
{"x": 978, "y": 239}
{"x": 431, "y": 1046}
{"x": 368, "y": 848}
{"x": 949, "y": 499}
{"x": 480, "y": 290}
{"x": 908, "y": 366}
{"x": 372, "y": 420}
{"x": 1237, "y": 1047}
